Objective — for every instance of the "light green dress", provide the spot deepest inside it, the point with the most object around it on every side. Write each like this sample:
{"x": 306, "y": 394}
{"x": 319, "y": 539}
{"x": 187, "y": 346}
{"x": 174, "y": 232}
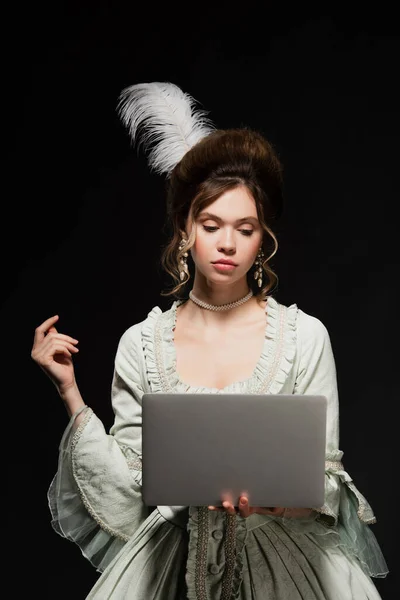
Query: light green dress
{"x": 174, "y": 553}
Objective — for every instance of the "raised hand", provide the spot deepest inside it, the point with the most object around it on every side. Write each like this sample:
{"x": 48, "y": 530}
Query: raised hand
{"x": 52, "y": 351}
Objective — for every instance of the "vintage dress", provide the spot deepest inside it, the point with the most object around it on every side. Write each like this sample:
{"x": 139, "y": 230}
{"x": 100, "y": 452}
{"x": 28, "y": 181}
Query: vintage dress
{"x": 172, "y": 553}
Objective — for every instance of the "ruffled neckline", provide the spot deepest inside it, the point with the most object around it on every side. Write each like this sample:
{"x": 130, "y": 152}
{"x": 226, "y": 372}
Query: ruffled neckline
{"x": 269, "y": 374}
{"x": 235, "y": 384}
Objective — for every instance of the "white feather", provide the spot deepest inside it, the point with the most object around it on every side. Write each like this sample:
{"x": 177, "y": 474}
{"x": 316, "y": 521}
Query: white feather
{"x": 167, "y": 119}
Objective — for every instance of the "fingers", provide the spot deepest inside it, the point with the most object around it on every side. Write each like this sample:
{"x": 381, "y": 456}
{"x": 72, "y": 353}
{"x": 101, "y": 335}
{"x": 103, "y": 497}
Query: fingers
{"x": 41, "y": 329}
{"x": 61, "y": 336}
{"x": 224, "y": 508}
{"x": 244, "y": 508}
{"x": 228, "y": 507}
{"x": 47, "y": 332}
{"x": 65, "y": 346}
{"x": 216, "y": 508}
{"x": 44, "y": 356}
{"x": 54, "y": 343}
{"x": 62, "y": 350}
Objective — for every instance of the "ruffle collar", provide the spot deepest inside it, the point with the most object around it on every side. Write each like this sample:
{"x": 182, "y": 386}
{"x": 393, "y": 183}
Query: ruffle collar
{"x": 269, "y": 375}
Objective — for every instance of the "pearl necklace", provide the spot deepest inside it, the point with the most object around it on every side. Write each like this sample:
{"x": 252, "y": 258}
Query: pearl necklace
{"x": 220, "y": 306}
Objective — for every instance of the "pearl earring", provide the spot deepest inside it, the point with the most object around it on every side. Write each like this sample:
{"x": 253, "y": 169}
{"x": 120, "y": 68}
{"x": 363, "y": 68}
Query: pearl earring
{"x": 258, "y": 273}
{"x": 183, "y": 267}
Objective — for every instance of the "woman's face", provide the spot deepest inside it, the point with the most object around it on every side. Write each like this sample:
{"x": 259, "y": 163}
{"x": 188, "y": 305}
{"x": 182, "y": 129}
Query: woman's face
{"x": 228, "y": 229}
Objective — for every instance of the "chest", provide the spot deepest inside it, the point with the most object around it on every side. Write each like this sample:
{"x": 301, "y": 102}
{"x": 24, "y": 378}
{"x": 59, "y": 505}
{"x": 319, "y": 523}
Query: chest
{"x": 220, "y": 360}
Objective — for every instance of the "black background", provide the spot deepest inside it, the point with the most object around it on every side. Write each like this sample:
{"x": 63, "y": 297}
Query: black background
{"x": 82, "y": 217}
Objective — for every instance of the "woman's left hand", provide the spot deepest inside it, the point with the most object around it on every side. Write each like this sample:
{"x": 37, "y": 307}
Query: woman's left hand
{"x": 244, "y": 510}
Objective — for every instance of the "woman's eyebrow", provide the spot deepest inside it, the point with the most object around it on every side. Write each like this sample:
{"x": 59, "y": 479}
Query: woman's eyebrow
{"x": 216, "y": 218}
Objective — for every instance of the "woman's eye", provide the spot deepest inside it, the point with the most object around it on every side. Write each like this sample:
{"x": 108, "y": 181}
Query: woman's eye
{"x": 212, "y": 229}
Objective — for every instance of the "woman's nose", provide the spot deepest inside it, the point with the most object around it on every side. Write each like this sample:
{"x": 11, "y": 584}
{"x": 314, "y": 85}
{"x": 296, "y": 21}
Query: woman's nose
{"x": 227, "y": 241}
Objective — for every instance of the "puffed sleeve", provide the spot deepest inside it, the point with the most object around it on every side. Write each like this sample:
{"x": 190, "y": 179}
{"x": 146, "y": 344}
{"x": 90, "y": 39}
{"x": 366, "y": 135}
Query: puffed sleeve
{"x": 345, "y": 509}
{"x": 95, "y": 497}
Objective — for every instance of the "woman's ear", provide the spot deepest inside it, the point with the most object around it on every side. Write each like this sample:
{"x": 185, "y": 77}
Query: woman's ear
{"x": 188, "y": 229}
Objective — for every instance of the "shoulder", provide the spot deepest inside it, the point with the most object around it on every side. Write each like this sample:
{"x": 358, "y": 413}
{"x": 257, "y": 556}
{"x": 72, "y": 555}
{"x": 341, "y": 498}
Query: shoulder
{"x": 313, "y": 338}
{"x": 130, "y": 349}
{"x": 308, "y": 337}
{"x": 308, "y": 327}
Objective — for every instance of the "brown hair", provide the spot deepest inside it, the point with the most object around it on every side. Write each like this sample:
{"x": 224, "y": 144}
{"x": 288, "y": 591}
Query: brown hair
{"x": 221, "y": 161}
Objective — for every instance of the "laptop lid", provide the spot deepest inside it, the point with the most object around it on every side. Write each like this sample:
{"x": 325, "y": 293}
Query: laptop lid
{"x": 199, "y": 449}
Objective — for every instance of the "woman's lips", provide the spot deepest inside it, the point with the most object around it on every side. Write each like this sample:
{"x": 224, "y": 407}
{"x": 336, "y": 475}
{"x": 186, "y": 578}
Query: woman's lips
{"x": 224, "y": 267}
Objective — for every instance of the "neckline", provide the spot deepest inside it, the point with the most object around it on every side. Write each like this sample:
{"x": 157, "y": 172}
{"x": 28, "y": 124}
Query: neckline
{"x": 235, "y": 384}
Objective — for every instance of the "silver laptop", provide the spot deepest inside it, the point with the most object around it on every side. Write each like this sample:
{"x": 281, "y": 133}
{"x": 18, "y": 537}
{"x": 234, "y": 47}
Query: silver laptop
{"x": 200, "y": 449}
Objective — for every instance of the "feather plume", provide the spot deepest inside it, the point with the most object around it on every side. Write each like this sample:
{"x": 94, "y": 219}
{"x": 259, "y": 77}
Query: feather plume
{"x": 168, "y": 120}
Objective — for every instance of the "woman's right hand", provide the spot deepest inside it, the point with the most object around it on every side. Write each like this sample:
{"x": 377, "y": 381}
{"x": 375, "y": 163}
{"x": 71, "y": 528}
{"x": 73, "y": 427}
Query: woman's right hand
{"x": 52, "y": 352}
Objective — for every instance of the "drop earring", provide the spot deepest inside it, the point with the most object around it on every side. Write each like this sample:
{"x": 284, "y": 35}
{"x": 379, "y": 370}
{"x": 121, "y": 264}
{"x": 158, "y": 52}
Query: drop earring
{"x": 258, "y": 273}
{"x": 183, "y": 267}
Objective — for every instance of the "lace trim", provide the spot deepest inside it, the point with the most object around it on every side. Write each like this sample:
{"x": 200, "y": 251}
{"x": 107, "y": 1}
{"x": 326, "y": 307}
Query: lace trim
{"x": 361, "y": 515}
{"x": 158, "y": 355}
{"x": 363, "y": 507}
{"x": 135, "y": 463}
{"x": 278, "y": 355}
{"x": 133, "y": 460}
{"x": 330, "y": 465}
{"x": 230, "y": 556}
{"x": 85, "y": 501}
{"x": 325, "y": 510}
{"x": 201, "y": 554}
{"x": 334, "y": 465}
{"x": 77, "y": 435}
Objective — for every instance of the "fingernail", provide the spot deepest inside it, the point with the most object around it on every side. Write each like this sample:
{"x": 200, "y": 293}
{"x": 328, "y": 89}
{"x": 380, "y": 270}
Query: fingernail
{"x": 243, "y": 501}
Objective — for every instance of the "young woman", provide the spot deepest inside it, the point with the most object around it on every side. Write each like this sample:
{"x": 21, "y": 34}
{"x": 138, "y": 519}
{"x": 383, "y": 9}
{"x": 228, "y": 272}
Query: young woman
{"x": 224, "y": 332}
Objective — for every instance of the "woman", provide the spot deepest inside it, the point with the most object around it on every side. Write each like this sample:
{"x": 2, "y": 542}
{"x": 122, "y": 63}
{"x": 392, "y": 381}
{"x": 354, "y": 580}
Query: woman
{"x": 227, "y": 334}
